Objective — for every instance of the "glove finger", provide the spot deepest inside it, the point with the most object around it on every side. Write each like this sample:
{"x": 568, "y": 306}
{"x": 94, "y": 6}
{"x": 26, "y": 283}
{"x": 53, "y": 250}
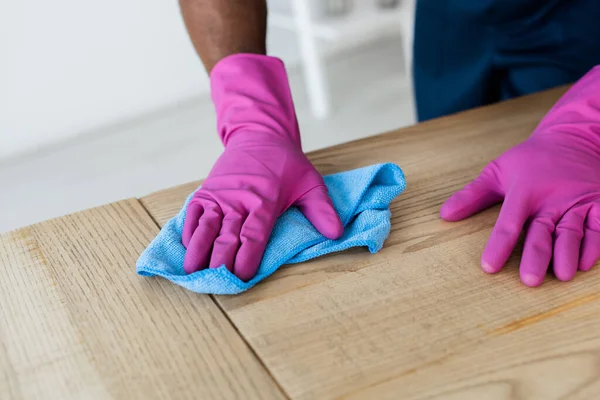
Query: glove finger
{"x": 506, "y": 232}
{"x": 192, "y": 216}
{"x": 537, "y": 252}
{"x": 478, "y": 195}
{"x": 567, "y": 243}
{"x": 254, "y": 236}
{"x": 317, "y": 207}
{"x": 590, "y": 250}
{"x": 227, "y": 243}
{"x": 201, "y": 243}
{"x": 590, "y": 246}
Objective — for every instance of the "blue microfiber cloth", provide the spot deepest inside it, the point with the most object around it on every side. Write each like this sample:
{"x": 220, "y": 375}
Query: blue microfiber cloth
{"x": 361, "y": 198}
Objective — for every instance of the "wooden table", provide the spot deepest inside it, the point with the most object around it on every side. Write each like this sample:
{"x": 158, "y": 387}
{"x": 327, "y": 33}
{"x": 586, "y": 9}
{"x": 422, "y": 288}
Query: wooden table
{"x": 419, "y": 320}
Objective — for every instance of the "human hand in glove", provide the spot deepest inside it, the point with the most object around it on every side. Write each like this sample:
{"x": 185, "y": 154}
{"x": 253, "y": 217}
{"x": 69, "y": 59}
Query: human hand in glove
{"x": 550, "y": 186}
{"x": 261, "y": 173}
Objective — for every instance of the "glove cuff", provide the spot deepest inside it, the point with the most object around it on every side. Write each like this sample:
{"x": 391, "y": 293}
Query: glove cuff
{"x": 253, "y": 100}
{"x": 576, "y": 115}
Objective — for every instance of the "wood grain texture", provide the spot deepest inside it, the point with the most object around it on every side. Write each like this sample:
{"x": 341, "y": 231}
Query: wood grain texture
{"x": 164, "y": 204}
{"x": 420, "y": 320}
{"x": 78, "y": 323}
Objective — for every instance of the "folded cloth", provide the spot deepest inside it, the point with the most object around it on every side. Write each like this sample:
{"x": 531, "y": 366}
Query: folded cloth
{"x": 361, "y": 197}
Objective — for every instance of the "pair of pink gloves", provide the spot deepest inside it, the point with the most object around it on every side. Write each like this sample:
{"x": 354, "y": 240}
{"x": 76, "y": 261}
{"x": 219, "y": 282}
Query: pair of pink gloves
{"x": 550, "y": 184}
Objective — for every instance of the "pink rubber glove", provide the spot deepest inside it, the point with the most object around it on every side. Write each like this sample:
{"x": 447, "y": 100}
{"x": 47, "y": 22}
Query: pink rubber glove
{"x": 550, "y": 185}
{"x": 262, "y": 172}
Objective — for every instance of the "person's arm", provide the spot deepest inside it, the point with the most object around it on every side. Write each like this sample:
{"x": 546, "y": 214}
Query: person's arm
{"x": 220, "y": 28}
{"x": 262, "y": 171}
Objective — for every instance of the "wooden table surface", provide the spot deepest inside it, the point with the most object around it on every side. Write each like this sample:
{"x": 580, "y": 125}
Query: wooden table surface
{"x": 418, "y": 320}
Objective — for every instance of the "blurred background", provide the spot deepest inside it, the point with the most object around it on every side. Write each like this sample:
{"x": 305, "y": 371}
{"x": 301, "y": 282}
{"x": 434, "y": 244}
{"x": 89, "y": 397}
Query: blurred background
{"x": 101, "y": 101}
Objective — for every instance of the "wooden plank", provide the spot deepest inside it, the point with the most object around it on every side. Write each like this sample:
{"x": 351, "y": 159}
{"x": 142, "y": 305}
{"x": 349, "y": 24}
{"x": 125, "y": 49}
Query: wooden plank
{"x": 420, "y": 319}
{"x": 77, "y": 322}
{"x": 428, "y": 324}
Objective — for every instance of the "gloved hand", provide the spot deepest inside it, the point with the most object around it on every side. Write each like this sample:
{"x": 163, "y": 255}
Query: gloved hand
{"x": 550, "y": 185}
{"x": 262, "y": 172}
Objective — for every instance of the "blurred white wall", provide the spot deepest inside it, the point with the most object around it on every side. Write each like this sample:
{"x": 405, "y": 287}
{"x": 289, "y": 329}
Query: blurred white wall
{"x": 72, "y": 66}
